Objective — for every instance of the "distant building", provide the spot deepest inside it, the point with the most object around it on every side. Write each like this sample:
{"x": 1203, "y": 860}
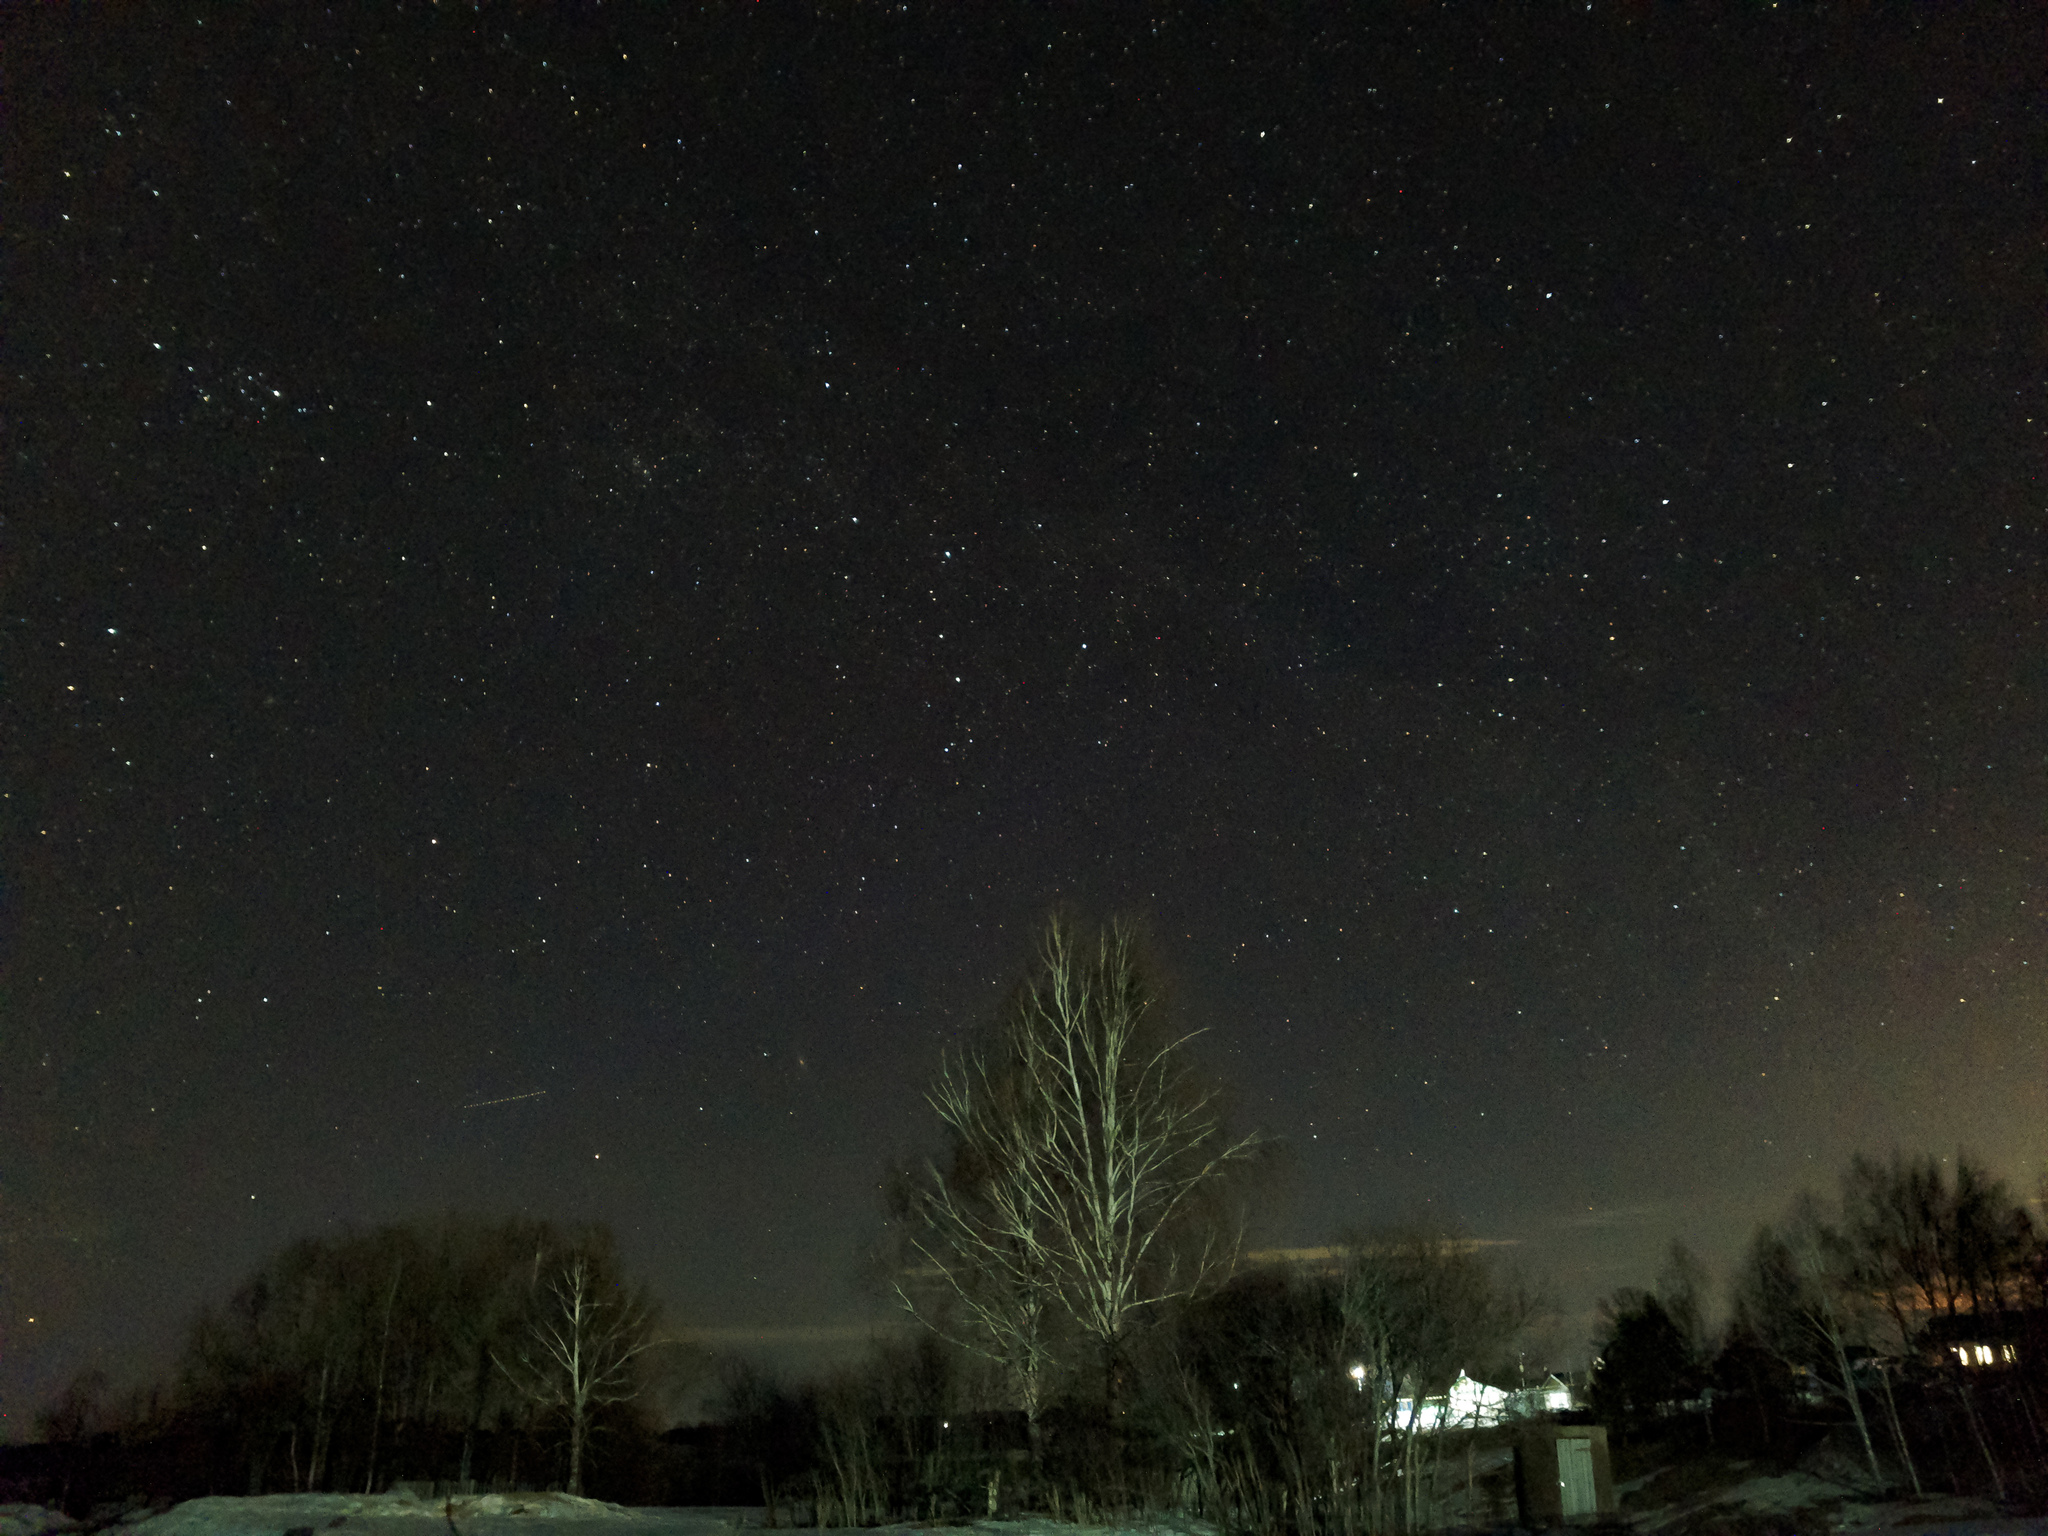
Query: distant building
{"x": 1550, "y": 1395}
{"x": 1468, "y": 1404}
{"x": 1985, "y": 1341}
{"x": 1471, "y": 1404}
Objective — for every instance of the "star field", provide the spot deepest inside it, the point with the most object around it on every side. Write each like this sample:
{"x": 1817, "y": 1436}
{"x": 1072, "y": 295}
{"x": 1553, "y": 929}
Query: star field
{"x": 609, "y": 569}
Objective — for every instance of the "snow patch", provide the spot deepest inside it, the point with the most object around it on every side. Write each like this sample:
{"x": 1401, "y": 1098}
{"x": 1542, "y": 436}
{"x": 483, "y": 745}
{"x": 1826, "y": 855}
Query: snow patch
{"x": 379, "y": 1514}
{"x": 33, "y": 1520}
{"x": 506, "y": 1514}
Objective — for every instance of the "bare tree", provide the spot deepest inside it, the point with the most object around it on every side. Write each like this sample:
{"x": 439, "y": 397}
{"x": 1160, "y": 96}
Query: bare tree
{"x": 383, "y": 1358}
{"x": 850, "y": 1481}
{"x": 81, "y": 1412}
{"x": 353, "y": 1359}
{"x": 970, "y": 1278}
{"x": 1685, "y": 1289}
{"x": 1927, "y": 1246}
{"x": 1795, "y": 1296}
{"x": 1083, "y": 1150}
{"x": 1418, "y": 1307}
{"x": 483, "y": 1308}
{"x": 580, "y": 1351}
{"x": 1313, "y": 1401}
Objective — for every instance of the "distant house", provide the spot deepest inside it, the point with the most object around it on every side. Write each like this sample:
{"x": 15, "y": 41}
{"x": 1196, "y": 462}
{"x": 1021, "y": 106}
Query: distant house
{"x": 1468, "y": 1404}
{"x": 1471, "y": 1404}
{"x": 1984, "y": 1341}
{"x": 1550, "y": 1395}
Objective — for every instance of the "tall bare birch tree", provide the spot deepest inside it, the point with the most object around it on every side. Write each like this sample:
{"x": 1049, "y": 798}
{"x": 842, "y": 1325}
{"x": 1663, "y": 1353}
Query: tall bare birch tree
{"x": 1085, "y": 1161}
{"x": 581, "y": 1350}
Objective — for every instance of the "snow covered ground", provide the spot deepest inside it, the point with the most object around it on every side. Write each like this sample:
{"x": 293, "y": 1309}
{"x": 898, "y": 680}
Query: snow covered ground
{"x": 496, "y": 1514}
{"x": 558, "y": 1514}
{"x": 390, "y": 1514}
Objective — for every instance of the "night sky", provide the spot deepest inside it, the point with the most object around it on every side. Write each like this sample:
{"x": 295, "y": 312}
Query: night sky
{"x": 620, "y": 564}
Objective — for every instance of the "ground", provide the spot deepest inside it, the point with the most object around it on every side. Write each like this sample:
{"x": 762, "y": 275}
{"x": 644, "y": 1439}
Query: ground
{"x": 1789, "y": 1504}
{"x": 404, "y": 1514}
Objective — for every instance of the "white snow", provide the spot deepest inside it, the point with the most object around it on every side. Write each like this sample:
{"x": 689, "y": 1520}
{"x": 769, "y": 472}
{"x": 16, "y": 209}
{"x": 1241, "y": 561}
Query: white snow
{"x": 393, "y": 1514}
{"x": 32, "y": 1520}
{"x": 494, "y": 1514}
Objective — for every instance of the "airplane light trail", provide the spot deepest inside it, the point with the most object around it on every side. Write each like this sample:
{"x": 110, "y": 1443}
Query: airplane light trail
{"x": 540, "y": 1093}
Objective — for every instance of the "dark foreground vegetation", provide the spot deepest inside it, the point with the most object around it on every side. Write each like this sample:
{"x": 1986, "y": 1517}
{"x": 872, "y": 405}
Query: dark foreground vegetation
{"x": 410, "y": 1355}
{"x": 1905, "y": 1322}
{"x": 466, "y": 1353}
{"x": 1085, "y": 1339}
{"x": 1897, "y": 1336}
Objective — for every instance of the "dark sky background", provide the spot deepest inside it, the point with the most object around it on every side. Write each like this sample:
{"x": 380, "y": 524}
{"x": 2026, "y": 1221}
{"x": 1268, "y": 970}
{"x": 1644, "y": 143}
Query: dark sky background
{"x": 637, "y": 555}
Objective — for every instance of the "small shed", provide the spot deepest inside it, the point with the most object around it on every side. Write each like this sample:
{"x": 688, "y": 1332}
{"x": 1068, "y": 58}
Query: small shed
{"x": 1562, "y": 1474}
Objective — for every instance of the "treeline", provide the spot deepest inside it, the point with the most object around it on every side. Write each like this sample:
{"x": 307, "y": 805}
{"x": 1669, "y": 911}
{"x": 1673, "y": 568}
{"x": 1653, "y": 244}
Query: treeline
{"x": 1084, "y": 1338}
{"x": 1093, "y": 1342}
{"x": 1909, "y": 1313}
{"x": 1304, "y": 1397}
{"x": 1298, "y": 1397}
{"x": 462, "y": 1354}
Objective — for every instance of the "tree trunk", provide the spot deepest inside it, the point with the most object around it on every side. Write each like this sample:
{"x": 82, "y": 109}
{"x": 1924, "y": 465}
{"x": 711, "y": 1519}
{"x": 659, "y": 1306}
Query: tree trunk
{"x": 316, "y": 1457}
{"x": 1899, "y": 1433}
{"x": 1969, "y": 1402}
{"x": 576, "y": 1452}
{"x": 383, "y": 1354}
{"x": 476, "y": 1413}
{"x": 1856, "y": 1406}
{"x": 1112, "y": 1407}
